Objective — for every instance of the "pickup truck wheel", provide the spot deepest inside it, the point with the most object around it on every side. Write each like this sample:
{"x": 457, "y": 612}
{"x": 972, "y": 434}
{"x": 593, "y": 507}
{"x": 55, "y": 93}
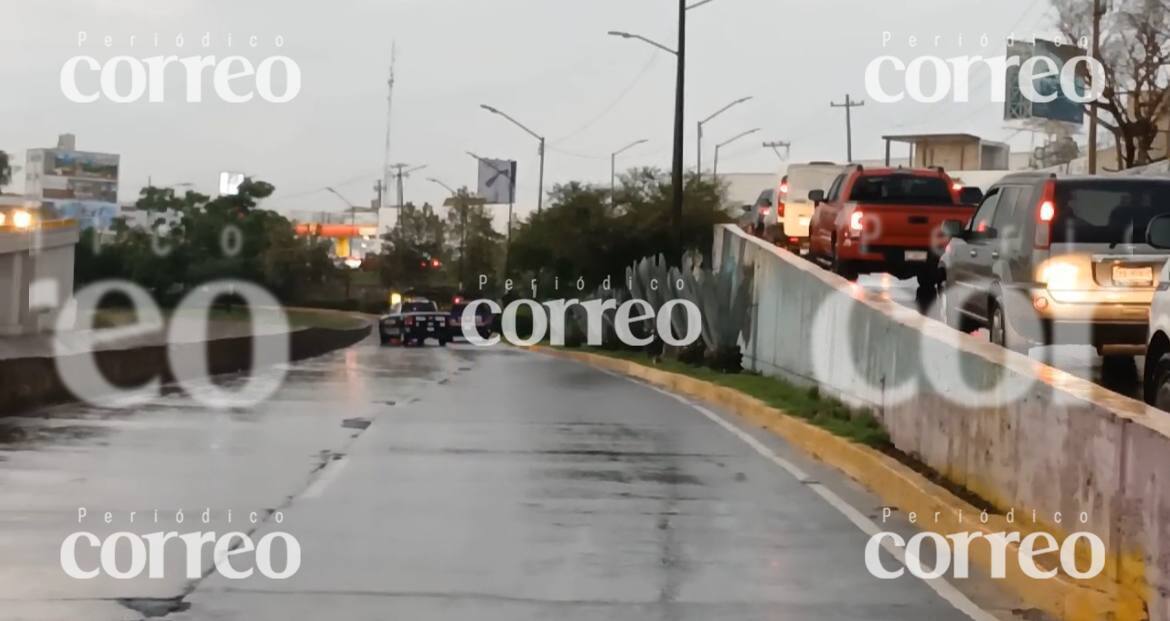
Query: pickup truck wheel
{"x": 1159, "y": 392}
{"x": 841, "y": 267}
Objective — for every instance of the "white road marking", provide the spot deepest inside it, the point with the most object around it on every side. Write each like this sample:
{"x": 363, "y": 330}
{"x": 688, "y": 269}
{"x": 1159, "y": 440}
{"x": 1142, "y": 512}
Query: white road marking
{"x": 941, "y": 587}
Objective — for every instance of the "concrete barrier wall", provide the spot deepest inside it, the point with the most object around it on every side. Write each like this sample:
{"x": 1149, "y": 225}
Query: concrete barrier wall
{"x": 1038, "y": 439}
{"x": 26, "y": 383}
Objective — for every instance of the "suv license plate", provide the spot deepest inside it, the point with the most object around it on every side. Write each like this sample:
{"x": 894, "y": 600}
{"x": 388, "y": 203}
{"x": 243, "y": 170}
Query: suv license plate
{"x": 1133, "y": 276}
{"x": 916, "y": 255}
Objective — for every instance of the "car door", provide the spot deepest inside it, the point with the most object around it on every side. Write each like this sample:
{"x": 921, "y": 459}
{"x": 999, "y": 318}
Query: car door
{"x": 824, "y": 219}
{"x": 970, "y": 257}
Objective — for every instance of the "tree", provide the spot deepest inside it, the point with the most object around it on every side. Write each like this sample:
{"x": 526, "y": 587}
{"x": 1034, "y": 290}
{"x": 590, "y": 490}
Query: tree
{"x": 5, "y": 170}
{"x": 1135, "y": 53}
{"x": 412, "y": 247}
{"x": 584, "y": 235}
{"x": 473, "y": 243}
{"x": 192, "y": 239}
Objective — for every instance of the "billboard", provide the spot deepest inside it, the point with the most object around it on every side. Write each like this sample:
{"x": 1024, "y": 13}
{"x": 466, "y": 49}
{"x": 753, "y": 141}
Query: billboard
{"x": 229, "y": 183}
{"x": 81, "y": 165}
{"x": 497, "y": 181}
{"x": 88, "y": 214}
{"x": 1018, "y": 107}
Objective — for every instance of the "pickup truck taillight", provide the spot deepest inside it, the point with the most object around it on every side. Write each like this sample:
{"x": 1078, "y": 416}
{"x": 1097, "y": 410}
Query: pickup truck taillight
{"x": 1045, "y": 214}
{"x": 856, "y": 224}
{"x": 781, "y": 198}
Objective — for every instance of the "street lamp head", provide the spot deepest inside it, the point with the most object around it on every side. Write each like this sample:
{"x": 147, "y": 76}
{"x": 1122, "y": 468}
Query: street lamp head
{"x": 489, "y": 108}
{"x": 618, "y": 33}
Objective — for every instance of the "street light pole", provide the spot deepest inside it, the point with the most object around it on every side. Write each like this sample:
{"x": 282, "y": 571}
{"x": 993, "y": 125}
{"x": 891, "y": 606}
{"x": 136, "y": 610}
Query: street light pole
{"x": 540, "y": 197}
{"x": 715, "y": 168}
{"x": 699, "y": 146}
{"x": 613, "y": 170}
{"x": 460, "y": 204}
{"x": 676, "y": 211}
{"x": 676, "y": 208}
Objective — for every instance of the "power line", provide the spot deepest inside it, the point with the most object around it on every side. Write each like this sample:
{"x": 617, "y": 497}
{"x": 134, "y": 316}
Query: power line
{"x": 609, "y": 108}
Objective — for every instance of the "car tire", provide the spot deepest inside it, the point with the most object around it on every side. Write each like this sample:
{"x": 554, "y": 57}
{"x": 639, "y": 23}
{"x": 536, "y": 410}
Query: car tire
{"x": 841, "y": 267}
{"x": 951, "y": 315}
{"x": 1001, "y": 332}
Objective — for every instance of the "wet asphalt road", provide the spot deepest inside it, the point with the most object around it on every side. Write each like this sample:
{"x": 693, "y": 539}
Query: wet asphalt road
{"x": 1082, "y": 361}
{"x": 457, "y": 483}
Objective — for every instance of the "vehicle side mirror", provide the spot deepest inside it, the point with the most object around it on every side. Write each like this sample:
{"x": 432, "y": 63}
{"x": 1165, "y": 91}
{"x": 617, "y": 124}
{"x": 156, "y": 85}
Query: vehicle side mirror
{"x": 970, "y": 196}
{"x": 817, "y": 196}
{"x": 1158, "y": 233}
{"x": 953, "y": 228}
{"x": 747, "y": 208}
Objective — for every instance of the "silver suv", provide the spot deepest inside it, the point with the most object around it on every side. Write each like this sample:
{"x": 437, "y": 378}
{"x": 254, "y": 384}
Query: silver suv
{"x": 1057, "y": 260}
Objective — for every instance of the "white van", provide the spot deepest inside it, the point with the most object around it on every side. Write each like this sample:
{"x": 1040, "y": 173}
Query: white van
{"x": 787, "y": 224}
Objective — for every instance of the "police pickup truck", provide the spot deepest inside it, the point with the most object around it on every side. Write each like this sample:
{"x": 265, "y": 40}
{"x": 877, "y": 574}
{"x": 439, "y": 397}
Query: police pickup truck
{"x": 412, "y": 322}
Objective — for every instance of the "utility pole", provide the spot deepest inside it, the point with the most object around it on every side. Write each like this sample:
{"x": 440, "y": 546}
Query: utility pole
{"x": 776, "y": 145}
{"x": 849, "y": 105}
{"x": 389, "y": 110}
{"x": 402, "y": 171}
{"x": 676, "y": 211}
{"x": 1098, "y": 12}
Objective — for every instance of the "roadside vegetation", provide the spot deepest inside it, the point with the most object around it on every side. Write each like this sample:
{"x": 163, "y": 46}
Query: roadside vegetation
{"x": 804, "y": 403}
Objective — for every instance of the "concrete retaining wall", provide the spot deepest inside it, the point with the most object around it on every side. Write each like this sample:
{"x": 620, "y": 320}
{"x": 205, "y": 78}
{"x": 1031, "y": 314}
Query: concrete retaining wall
{"x": 1037, "y": 439}
{"x": 26, "y": 383}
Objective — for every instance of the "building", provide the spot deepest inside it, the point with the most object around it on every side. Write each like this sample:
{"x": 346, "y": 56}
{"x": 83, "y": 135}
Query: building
{"x": 952, "y": 151}
{"x": 82, "y": 185}
{"x": 36, "y": 266}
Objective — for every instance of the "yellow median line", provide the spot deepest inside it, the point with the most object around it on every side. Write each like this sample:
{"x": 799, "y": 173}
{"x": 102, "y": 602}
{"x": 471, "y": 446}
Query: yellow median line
{"x": 900, "y": 486}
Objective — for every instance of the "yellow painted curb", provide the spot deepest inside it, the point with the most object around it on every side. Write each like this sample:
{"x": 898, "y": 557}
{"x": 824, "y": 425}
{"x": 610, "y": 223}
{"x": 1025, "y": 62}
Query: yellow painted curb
{"x": 900, "y": 486}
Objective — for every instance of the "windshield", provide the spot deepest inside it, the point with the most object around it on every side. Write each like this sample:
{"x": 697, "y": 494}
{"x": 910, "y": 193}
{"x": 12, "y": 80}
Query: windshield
{"x": 902, "y": 189}
{"x": 1114, "y": 212}
{"x": 418, "y": 307}
{"x": 801, "y": 181}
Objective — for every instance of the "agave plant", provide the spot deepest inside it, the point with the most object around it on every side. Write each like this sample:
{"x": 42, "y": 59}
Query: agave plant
{"x": 724, "y": 300}
{"x": 650, "y": 280}
{"x": 577, "y": 330}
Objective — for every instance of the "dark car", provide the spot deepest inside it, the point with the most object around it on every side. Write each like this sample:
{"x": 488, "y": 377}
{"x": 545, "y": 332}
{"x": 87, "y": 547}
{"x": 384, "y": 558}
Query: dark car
{"x": 412, "y": 322}
{"x": 484, "y": 320}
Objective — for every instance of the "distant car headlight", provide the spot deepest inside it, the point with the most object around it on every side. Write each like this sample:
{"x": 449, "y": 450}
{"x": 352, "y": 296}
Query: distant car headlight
{"x": 21, "y": 219}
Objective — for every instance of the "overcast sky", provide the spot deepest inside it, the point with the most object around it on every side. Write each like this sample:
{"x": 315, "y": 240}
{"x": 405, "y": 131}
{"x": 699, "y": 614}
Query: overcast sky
{"x": 548, "y": 63}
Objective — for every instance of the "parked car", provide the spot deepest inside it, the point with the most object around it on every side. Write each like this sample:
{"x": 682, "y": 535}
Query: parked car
{"x": 412, "y": 322}
{"x": 886, "y": 220}
{"x": 788, "y": 224}
{"x": 1052, "y": 260}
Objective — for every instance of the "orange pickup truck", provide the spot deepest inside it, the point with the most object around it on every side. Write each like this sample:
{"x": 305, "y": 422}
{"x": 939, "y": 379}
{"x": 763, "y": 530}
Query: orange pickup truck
{"x": 887, "y": 220}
